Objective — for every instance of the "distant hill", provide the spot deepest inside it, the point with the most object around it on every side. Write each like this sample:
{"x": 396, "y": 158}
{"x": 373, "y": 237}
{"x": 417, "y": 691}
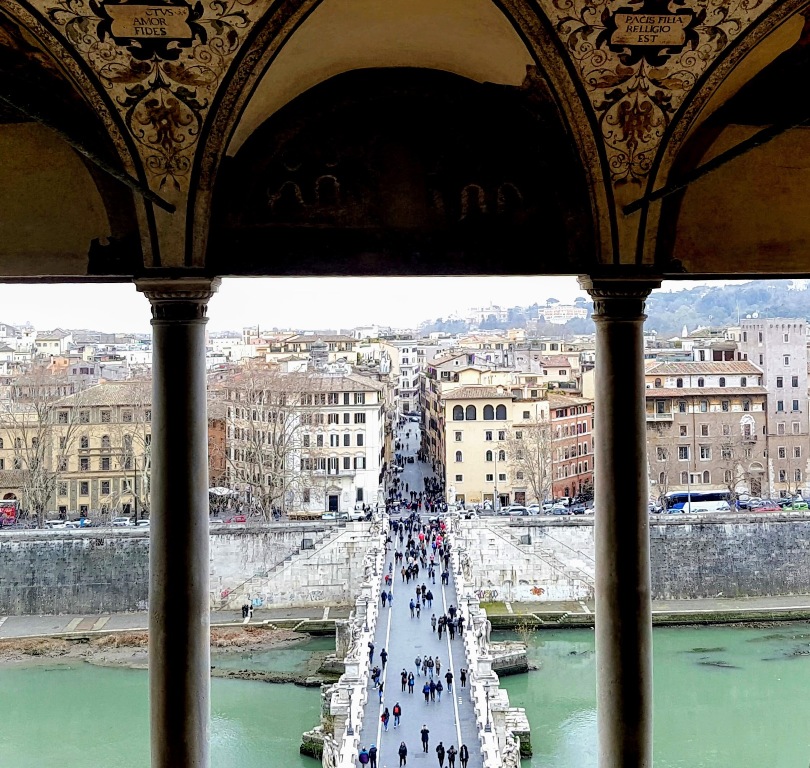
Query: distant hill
{"x": 668, "y": 311}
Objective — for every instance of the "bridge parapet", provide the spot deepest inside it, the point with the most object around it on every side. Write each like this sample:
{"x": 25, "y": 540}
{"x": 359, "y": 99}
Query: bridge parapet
{"x": 500, "y": 743}
{"x": 341, "y": 734}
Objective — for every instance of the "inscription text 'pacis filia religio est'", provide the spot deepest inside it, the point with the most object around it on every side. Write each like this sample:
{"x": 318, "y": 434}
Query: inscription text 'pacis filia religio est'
{"x": 149, "y": 21}
{"x": 650, "y": 29}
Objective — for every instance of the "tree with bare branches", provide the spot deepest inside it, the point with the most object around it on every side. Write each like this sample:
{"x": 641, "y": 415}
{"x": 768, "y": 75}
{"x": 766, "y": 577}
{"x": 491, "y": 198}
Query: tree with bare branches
{"x": 40, "y": 434}
{"x": 529, "y": 454}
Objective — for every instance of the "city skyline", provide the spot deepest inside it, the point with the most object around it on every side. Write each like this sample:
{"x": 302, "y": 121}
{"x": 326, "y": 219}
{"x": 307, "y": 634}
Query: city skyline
{"x": 307, "y": 303}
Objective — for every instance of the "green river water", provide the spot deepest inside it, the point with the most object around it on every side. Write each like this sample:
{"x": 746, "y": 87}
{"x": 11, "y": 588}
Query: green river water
{"x": 723, "y": 697}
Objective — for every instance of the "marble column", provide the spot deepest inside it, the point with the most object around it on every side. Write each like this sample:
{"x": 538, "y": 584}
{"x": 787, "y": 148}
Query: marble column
{"x": 179, "y": 634}
{"x": 621, "y": 522}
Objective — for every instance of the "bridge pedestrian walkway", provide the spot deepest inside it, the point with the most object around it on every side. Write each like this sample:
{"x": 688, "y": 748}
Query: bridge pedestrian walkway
{"x": 451, "y": 721}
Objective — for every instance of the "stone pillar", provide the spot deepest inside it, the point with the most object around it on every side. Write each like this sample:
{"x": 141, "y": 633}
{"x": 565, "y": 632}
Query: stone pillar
{"x": 179, "y": 634}
{"x": 621, "y": 521}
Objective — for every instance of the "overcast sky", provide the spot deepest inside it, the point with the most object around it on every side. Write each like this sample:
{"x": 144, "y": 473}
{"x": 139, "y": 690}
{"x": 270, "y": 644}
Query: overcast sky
{"x": 286, "y": 302}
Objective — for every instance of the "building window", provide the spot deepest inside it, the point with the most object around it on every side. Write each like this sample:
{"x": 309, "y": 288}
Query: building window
{"x": 84, "y": 464}
{"x": 682, "y": 406}
{"x": 684, "y": 478}
{"x": 779, "y": 382}
{"x": 679, "y": 383}
{"x": 105, "y": 487}
{"x": 683, "y": 430}
{"x": 527, "y": 414}
{"x": 519, "y": 475}
{"x": 662, "y": 453}
{"x": 705, "y": 452}
{"x": 501, "y": 434}
{"x": 306, "y": 441}
{"x": 743, "y": 381}
{"x": 794, "y": 381}
{"x": 502, "y": 477}
{"x": 725, "y": 406}
{"x": 795, "y": 405}
{"x": 745, "y": 335}
{"x": 488, "y": 456}
{"x": 84, "y": 488}
{"x": 105, "y": 463}
{"x": 787, "y": 359}
{"x": 489, "y": 413}
{"x": 703, "y": 406}
{"x": 748, "y": 453}
{"x": 490, "y": 478}
{"x": 707, "y": 478}
{"x": 662, "y": 478}
{"x": 746, "y": 405}
{"x": 704, "y": 430}
{"x": 797, "y": 475}
{"x": 63, "y": 489}
{"x": 458, "y": 436}
{"x": 126, "y": 417}
{"x": 488, "y": 435}
{"x": 84, "y": 442}
{"x": 359, "y": 398}
{"x": 501, "y": 455}
{"x": 683, "y": 452}
{"x": 660, "y": 406}
{"x": 62, "y": 417}
{"x": 726, "y": 430}
{"x": 780, "y": 405}
{"x": 458, "y": 413}
{"x": 727, "y": 477}
{"x": 700, "y": 382}
{"x": 458, "y": 456}
{"x": 105, "y": 442}
{"x": 727, "y": 454}
{"x": 470, "y": 413}
{"x": 796, "y": 427}
{"x": 459, "y": 478}
{"x": 347, "y": 462}
{"x": 780, "y": 428}
{"x": 782, "y": 452}
{"x": 786, "y": 338}
{"x": 500, "y": 413}
{"x": 782, "y": 476}
{"x": 722, "y": 381}
{"x": 63, "y": 464}
{"x": 657, "y": 384}
{"x": 518, "y": 436}
{"x": 761, "y": 359}
{"x": 797, "y": 451}
{"x": 359, "y": 462}
{"x": 360, "y": 439}
{"x": 347, "y": 418}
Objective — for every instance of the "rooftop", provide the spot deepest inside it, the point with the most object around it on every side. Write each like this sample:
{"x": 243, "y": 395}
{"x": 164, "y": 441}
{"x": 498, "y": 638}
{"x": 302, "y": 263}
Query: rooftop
{"x": 657, "y": 368}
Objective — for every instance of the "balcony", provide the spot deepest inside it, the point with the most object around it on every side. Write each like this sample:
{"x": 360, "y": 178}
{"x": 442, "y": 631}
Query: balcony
{"x": 669, "y": 416}
{"x": 749, "y": 438}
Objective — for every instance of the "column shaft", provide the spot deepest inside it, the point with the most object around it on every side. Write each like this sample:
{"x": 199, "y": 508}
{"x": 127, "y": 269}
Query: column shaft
{"x": 623, "y": 607}
{"x": 179, "y": 634}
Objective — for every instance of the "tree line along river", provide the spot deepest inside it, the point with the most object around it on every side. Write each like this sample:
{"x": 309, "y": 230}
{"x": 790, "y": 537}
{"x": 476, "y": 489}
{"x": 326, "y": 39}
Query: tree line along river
{"x": 723, "y": 697}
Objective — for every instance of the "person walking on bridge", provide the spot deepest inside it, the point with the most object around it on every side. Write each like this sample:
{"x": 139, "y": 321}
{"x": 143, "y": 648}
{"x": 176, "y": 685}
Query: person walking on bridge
{"x": 451, "y": 757}
{"x": 403, "y": 754}
{"x": 372, "y": 757}
{"x": 425, "y": 737}
{"x": 383, "y": 657}
{"x": 397, "y": 714}
{"x": 440, "y": 754}
{"x": 464, "y": 755}
{"x": 418, "y": 663}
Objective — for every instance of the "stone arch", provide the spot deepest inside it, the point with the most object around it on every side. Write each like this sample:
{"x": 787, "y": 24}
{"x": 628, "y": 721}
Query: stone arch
{"x": 531, "y": 32}
{"x": 696, "y": 126}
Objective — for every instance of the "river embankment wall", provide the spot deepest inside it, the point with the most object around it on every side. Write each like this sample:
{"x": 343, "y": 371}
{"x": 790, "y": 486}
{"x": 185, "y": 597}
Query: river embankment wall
{"x": 538, "y": 560}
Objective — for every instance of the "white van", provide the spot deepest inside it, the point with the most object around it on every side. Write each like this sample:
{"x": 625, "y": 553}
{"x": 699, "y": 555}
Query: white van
{"x": 696, "y": 507}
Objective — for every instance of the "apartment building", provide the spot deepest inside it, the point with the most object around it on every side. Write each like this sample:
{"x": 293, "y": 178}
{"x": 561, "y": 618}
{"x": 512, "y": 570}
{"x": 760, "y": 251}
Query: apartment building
{"x": 305, "y": 441}
{"x": 706, "y": 427}
{"x": 572, "y": 421}
{"x": 779, "y": 347}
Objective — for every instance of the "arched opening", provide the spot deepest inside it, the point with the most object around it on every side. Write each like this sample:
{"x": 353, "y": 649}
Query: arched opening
{"x": 500, "y": 413}
{"x": 413, "y": 170}
{"x": 470, "y": 413}
{"x": 489, "y": 413}
{"x": 458, "y": 413}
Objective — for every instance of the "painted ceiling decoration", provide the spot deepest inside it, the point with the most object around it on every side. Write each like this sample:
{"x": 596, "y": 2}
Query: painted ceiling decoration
{"x": 639, "y": 60}
{"x": 161, "y": 63}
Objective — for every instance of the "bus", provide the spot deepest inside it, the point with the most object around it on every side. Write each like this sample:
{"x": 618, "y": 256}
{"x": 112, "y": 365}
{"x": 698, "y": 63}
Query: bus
{"x": 710, "y": 501}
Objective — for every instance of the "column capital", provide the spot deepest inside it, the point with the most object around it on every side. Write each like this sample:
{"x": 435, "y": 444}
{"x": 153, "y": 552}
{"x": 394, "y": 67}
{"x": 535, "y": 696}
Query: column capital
{"x": 618, "y": 298}
{"x": 183, "y": 299}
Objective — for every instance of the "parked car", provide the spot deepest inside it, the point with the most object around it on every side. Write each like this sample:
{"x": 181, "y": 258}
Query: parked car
{"x": 142, "y": 524}
{"x": 534, "y": 509}
{"x": 800, "y": 505}
{"x": 121, "y": 522}
{"x": 334, "y": 516}
{"x": 236, "y": 519}
{"x": 356, "y": 514}
{"x": 516, "y": 510}
{"x": 560, "y": 509}
{"x": 767, "y": 505}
